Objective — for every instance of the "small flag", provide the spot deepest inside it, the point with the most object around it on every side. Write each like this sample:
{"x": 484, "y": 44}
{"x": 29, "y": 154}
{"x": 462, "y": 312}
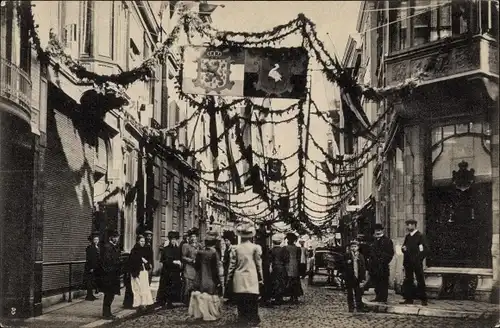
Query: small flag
{"x": 355, "y": 114}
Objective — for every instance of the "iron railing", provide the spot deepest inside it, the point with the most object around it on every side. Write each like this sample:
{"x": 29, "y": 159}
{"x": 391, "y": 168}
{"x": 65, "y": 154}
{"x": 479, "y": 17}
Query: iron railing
{"x": 15, "y": 84}
{"x": 72, "y": 285}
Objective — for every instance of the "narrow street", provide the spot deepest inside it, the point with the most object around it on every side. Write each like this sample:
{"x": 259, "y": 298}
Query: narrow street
{"x": 323, "y": 307}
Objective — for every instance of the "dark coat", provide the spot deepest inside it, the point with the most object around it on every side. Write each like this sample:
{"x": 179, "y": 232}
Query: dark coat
{"x": 92, "y": 258}
{"x": 135, "y": 263}
{"x": 149, "y": 255}
{"x": 279, "y": 276}
{"x": 170, "y": 279}
{"x": 209, "y": 269}
{"x": 413, "y": 255}
{"x": 381, "y": 254}
{"x": 111, "y": 269}
{"x": 349, "y": 276}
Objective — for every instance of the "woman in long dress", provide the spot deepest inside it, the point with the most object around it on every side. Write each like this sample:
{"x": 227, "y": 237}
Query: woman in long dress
{"x": 205, "y": 302}
{"x": 139, "y": 266}
{"x": 245, "y": 273}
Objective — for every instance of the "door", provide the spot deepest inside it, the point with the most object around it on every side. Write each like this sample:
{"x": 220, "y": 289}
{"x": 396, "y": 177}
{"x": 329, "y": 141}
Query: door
{"x": 459, "y": 226}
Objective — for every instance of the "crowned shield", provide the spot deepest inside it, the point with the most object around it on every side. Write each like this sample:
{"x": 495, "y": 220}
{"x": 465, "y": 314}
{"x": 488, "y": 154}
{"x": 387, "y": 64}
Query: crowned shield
{"x": 463, "y": 178}
{"x": 214, "y": 72}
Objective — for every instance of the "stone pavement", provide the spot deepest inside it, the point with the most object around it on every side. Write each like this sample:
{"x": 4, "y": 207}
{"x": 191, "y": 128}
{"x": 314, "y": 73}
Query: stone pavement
{"x": 435, "y": 308}
{"x": 321, "y": 307}
{"x": 79, "y": 313}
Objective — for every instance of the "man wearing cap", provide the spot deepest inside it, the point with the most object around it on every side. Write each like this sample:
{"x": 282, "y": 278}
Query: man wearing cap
{"x": 415, "y": 251}
{"x": 92, "y": 266}
{"x": 382, "y": 254}
{"x": 111, "y": 269}
{"x": 169, "y": 290}
{"x": 150, "y": 258}
{"x": 355, "y": 277}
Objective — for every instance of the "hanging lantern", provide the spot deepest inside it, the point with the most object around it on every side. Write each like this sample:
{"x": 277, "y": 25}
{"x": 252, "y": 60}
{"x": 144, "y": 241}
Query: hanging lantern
{"x": 274, "y": 169}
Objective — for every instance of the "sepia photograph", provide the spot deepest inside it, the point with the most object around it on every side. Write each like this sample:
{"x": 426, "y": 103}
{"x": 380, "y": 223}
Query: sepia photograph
{"x": 253, "y": 164}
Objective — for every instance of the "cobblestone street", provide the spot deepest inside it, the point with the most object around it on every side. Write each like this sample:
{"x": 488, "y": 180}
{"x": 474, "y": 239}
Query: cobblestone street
{"x": 322, "y": 308}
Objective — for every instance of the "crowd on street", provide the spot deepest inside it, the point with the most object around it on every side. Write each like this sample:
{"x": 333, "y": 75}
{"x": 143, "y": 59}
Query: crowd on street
{"x": 202, "y": 274}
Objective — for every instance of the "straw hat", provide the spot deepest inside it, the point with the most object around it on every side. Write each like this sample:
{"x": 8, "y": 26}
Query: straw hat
{"x": 245, "y": 228}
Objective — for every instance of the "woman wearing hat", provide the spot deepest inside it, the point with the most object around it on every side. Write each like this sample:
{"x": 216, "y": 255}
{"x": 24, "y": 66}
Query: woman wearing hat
{"x": 169, "y": 290}
{"x": 205, "y": 302}
{"x": 92, "y": 266}
{"x": 292, "y": 261}
{"x": 245, "y": 273}
{"x": 278, "y": 269}
{"x": 139, "y": 267}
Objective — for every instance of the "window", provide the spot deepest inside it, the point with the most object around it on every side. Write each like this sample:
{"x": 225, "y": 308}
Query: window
{"x": 104, "y": 15}
{"x": 420, "y": 21}
{"x": 87, "y": 27}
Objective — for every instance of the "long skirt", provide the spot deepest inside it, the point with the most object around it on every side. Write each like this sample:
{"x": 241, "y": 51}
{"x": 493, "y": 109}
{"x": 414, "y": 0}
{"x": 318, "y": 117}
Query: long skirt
{"x": 204, "y": 306}
{"x": 170, "y": 288}
{"x": 189, "y": 286}
{"x": 294, "y": 287}
{"x": 278, "y": 283}
{"x": 141, "y": 290}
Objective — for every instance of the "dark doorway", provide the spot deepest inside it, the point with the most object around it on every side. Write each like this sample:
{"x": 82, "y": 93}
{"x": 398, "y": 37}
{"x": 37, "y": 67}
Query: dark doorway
{"x": 459, "y": 226}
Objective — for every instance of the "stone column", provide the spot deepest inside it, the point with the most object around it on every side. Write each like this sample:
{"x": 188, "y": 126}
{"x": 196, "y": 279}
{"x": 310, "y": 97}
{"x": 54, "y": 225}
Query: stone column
{"x": 495, "y": 168}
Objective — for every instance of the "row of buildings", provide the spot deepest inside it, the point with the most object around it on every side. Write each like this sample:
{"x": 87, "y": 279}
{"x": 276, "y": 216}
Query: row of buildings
{"x": 75, "y": 159}
{"x": 437, "y": 162}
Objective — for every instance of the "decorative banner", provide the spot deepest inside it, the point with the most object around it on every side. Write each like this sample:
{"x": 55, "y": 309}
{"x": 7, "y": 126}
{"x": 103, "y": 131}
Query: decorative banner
{"x": 213, "y": 71}
{"x": 240, "y": 72}
{"x": 276, "y": 73}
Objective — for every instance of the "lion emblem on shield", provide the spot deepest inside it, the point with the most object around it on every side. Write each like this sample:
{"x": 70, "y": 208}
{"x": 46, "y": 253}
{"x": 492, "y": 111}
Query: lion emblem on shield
{"x": 214, "y": 71}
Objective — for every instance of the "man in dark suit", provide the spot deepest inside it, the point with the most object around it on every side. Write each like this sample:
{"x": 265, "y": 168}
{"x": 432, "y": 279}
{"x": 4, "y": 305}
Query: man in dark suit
{"x": 381, "y": 256}
{"x": 149, "y": 246}
{"x": 355, "y": 277}
{"x": 92, "y": 266}
{"x": 415, "y": 251}
{"x": 111, "y": 269}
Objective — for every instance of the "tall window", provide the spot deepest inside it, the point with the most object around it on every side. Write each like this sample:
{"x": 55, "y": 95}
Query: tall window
{"x": 104, "y": 18}
{"x": 398, "y": 24}
{"x": 87, "y": 27}
{"x": 420, "y": 21}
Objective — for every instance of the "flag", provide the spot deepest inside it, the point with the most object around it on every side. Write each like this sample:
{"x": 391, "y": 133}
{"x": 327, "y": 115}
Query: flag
{"x": 235, "y": 175}
{"x": 213, "y": 71}
{"x": 354, "y": 114}
{"x": 278, "y": 73}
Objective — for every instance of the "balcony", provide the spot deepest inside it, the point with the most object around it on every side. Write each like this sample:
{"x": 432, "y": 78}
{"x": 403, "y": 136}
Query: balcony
{"x": 464, "y": 74}
{"x": 15, "y": 90}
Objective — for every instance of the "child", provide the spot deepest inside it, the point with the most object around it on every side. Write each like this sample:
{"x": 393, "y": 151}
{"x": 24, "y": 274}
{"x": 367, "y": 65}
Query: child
{"x": 355, "y": 277}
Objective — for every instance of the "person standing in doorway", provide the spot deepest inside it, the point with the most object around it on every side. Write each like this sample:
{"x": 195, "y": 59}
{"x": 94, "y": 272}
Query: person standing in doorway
{"x": 355, "y": 277}
{"x": 169, "y": 290}
{"x": 245, "y": 273}
{"x": 382, "y": 254}
{"x": 189, "y": 251}
{"x": 414, "y": 251}
{"x": 111, "y": 269}
{"x": 149, "y": 252}
{"x": 92, "y": 266}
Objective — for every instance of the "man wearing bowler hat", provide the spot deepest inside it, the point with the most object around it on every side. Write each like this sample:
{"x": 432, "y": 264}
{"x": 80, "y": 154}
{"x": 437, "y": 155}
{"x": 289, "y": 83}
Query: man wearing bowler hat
{"x": 381, "y": 256}
{"x": 150, "y": 258}
{"x": 415, "y": 251}
{"x": 111, "y": 269}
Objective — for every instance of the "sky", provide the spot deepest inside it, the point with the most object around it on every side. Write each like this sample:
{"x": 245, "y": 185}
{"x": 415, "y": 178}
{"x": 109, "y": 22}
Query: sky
{"x": 335, "y": 21}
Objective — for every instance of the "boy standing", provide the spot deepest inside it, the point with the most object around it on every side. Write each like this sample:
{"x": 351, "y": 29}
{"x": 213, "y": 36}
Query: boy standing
{"x": 355, "y": 277}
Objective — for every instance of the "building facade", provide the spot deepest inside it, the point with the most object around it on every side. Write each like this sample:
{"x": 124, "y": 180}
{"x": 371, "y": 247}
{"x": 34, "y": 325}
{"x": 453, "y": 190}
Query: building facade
{"x": 80, "y": 153}
{"x": 438, "y": 162}
{"x": 23, "y": 142}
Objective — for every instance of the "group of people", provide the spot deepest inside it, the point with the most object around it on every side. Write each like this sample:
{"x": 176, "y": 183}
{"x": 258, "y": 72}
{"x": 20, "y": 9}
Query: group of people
{"x": 104, "y": 268}
{"x": 370, "y": 266}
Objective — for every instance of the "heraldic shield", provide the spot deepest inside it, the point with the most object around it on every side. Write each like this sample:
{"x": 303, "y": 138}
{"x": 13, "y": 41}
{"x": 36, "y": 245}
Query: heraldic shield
{"x": 217, "y": 71}
{"x": 279, "y": 73}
